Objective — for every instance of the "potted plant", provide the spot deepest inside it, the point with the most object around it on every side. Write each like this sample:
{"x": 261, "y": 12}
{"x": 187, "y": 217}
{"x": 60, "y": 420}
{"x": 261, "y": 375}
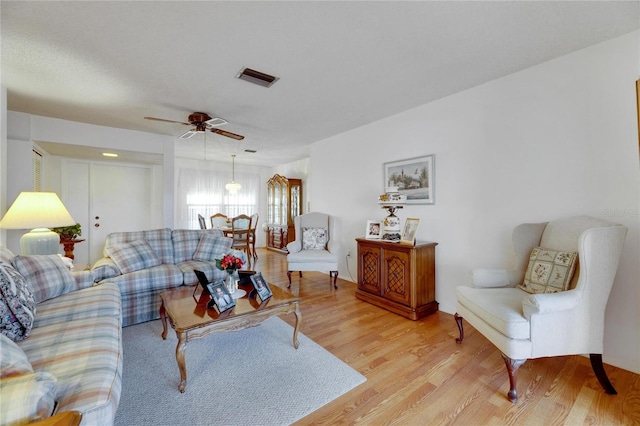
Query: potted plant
{"x": 68, "y": 233}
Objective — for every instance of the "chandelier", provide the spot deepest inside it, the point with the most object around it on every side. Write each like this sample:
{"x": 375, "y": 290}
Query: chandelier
{"x": 233, "y": 186}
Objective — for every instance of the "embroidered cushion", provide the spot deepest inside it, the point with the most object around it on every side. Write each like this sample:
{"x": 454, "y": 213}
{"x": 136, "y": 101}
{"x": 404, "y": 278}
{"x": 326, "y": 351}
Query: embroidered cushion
{"x": 32, "y": 398}
{"x": 314, "y": 238}
{"x": 133, "y": 256}
{"x": 13, "y": 360}
{"x": 210, "y": 247}
{"x": 549, "y": 271}
{"x": 46, "y": 274}
{"x": 17, "y": 304}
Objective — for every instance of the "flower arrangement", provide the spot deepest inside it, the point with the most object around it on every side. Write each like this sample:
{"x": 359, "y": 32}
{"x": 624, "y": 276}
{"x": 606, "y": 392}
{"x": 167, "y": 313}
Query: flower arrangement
{"x": 230, "y": 262}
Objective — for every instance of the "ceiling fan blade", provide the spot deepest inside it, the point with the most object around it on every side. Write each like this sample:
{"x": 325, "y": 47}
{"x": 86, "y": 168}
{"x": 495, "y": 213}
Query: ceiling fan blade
{"x": 168, "y": 121}
{"x": 227, "y": 134}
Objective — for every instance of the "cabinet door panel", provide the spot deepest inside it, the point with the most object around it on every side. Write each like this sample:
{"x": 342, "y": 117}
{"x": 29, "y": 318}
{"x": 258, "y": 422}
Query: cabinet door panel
{"x": 396, "y": 271}
{"x": 369, "y": 269}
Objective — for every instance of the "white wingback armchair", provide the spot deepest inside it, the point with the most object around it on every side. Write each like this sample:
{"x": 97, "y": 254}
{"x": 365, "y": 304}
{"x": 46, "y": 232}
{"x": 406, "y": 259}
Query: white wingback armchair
{"x": 314, "y": 248}
{"x": 524, "y": 325}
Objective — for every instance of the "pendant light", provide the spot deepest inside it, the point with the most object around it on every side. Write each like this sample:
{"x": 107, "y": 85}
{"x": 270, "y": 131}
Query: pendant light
{"x": 233, "y": 186}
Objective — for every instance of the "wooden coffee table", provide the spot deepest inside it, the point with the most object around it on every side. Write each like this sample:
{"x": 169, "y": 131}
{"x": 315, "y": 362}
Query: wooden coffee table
{"x": 192, "y": 320}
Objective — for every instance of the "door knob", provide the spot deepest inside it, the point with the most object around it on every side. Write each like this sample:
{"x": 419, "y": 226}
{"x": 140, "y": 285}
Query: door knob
{"x": 97, "y": 225}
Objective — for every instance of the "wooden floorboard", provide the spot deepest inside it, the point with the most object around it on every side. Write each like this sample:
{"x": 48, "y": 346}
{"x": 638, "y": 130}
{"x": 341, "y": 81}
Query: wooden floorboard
{"x": 418, "y": 375}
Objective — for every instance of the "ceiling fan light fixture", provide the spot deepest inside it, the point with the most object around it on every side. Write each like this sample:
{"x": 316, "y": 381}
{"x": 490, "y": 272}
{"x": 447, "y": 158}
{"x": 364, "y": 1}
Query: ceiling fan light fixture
{"x": 188, "y": 134}
{"x": 215, "y": 122}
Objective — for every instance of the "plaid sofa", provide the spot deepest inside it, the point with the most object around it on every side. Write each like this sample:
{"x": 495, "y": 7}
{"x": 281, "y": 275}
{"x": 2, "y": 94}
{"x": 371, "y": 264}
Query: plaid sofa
{"x": 75, "y": 340}
{"x": 166, "y": 262}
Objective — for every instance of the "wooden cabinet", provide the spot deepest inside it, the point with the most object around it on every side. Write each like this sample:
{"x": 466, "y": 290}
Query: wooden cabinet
{"x": 398, "y": 277}
{"x": 284, "y": 202}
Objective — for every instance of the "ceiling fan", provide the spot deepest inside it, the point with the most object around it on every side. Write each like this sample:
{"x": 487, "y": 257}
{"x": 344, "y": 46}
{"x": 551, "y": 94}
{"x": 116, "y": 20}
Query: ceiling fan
{"x": 202, "y": 122}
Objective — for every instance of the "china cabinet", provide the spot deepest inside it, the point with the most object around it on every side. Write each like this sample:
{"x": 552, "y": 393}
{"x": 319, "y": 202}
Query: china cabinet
{"x": 284, "y": 199}
{"x": 398, "y": 277}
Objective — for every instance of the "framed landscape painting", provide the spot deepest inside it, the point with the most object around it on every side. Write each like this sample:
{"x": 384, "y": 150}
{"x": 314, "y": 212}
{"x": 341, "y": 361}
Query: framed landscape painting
{"x": 413, "y": 177}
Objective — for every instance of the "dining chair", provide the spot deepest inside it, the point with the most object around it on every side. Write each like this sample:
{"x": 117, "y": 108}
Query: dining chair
{"x": 202, "y": 221}
{"x": 240, "y": 231}
{"x": 219, "y": 220}
{"x": 252, "y": 234}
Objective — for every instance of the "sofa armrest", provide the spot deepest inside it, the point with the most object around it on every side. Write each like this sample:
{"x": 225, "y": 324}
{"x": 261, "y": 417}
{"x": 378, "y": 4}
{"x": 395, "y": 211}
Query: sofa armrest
{"x": 84, "y": 279}
{"x": 492, "y": 278}
{"x": 550, "y": 302}
{"x": 104, "y": 268}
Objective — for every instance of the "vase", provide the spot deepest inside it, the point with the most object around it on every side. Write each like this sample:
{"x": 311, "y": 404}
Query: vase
{"x": 231, "y": 282}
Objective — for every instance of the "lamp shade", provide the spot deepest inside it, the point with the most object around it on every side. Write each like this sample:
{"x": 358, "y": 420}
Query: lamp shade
{"x": 38, "y": 210}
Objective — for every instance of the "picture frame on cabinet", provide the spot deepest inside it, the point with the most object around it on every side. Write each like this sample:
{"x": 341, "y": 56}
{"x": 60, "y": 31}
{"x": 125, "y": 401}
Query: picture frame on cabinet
{"x": 374, "y": 230}
{"x": 409, "y": 231}
{"x": 414, "y": 178}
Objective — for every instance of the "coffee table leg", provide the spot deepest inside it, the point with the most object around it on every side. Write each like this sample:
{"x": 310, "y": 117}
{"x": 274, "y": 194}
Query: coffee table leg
{"x": 295, "y": 330}
{"x": 163, "y": 317}
{"x": 180, "y": 350}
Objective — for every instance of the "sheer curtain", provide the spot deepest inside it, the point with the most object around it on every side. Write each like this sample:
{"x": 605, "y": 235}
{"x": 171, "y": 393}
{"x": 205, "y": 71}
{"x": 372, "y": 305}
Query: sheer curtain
{"x": 201, "y": 191}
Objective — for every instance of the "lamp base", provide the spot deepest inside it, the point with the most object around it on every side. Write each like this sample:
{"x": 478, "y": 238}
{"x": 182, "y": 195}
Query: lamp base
{"x": 39, "y": 241}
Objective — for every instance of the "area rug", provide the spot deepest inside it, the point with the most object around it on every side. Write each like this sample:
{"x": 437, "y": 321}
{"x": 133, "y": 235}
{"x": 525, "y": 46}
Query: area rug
{"x": 249, "y": 377}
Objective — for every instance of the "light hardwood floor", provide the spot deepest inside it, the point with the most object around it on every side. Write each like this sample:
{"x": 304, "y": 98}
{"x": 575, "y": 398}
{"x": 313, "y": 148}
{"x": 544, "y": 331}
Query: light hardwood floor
{"x": 418, "y": 375}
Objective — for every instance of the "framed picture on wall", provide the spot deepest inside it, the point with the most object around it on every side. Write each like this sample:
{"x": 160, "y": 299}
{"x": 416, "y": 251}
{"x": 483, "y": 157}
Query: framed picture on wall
{"x": 373, "y": 231}
{"x": 414, "y": 178}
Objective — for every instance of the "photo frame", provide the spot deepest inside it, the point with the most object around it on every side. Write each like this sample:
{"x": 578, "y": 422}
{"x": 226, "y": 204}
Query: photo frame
{"x": 409, "y": 231}
{"x": 261, "y": 286}
{"x": 220, "y": 296}
{"x": 374, "y": 230}
{"x": 414, "y": 178}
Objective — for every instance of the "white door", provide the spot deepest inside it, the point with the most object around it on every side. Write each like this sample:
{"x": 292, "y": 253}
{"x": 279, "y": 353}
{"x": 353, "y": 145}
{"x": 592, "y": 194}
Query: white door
{"x": 105, "y": 198}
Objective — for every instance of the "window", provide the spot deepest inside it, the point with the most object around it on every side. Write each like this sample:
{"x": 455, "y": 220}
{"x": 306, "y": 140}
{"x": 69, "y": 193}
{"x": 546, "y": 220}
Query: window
{"x": 202, "y": 192}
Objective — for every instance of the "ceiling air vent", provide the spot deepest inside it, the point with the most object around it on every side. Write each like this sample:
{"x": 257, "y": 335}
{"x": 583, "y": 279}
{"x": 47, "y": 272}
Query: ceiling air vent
{"x": 252, "y": 151}
{"x": 256, "y": 77}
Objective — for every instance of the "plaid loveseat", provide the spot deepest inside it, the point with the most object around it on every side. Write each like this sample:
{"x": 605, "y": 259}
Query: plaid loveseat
{"x": 145, "y": 263}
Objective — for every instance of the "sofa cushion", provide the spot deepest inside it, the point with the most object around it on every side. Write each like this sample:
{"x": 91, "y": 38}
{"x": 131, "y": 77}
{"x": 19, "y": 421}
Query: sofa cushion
{"x": 158, "y": 239}
{"x": 17, "y": 304}
{"x": 314, "y": 238}
{"x": 46, "y": 274}
{"x": 13, "y": 360}
{"x": 31, "y": 398}
{"x": 6, "y": 255}
{"x": 212, "y": 247}
{"x": 549, "y": 271}
{"x": 133, "y": 256}
{"x": 500, "y": 308}
{"x": 185, "y": 242}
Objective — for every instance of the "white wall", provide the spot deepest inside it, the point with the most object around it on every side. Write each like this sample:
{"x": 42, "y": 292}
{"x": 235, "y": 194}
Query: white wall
{"x": 554, "y": 140}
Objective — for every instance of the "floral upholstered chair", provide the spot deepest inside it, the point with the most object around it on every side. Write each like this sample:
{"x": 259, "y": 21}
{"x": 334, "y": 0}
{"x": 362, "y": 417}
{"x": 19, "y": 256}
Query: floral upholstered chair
{"x": 553, "y": 303}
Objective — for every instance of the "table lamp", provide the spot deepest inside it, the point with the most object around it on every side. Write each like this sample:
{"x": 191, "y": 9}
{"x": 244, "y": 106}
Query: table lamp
{"x": 41, "y": 211}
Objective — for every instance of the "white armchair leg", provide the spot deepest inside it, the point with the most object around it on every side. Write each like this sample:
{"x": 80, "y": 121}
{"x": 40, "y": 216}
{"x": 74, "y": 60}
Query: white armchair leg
{"x": 512, "y": 368}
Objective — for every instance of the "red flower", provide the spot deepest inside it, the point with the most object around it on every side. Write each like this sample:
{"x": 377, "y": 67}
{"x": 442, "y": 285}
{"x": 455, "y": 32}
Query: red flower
{"x": 229, "y": 263}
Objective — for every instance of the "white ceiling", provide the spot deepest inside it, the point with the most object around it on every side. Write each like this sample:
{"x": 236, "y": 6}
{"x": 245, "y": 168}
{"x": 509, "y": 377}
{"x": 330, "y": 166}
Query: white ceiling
{"x": 341, "y": 64}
